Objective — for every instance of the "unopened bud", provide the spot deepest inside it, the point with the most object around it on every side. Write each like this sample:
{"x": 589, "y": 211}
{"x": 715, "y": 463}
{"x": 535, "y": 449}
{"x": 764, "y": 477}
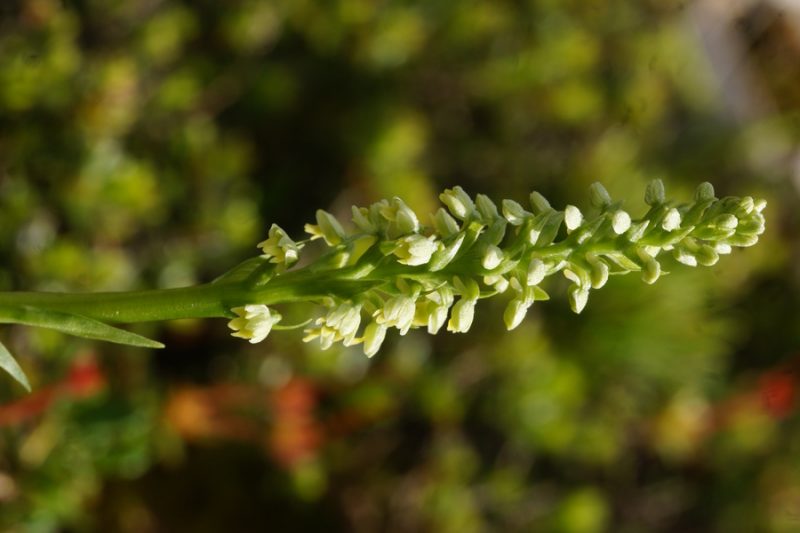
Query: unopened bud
{"x": 514, "y": 213}
{"x": 444, "y": 224}
{"x": 598, "y": 195}
{"x": 536, "y": 272}
{"x": 458, "y": 202}
{"x": 492, "y": 257}
{"x": 486, "y": 208}
{"x": 704, "y": 192}
{"x": 578, "y": 297}
{"x": 654, "y": 194}
{"x": 539, "y": 203}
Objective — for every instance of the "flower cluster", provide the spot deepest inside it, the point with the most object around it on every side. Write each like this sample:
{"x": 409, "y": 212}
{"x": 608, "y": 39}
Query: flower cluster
{"x": 411, "y": 275}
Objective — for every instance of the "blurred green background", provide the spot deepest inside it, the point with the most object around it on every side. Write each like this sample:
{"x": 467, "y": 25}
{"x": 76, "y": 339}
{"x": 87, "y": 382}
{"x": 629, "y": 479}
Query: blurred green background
{"x": 150, "y": 143}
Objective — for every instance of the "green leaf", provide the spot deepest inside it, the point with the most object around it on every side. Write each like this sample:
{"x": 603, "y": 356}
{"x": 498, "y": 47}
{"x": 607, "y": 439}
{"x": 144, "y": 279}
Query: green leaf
{"x": 10, "y": 365}
{"x": 71, "y": 324}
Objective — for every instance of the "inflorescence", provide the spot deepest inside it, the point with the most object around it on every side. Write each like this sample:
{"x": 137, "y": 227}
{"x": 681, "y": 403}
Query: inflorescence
{"x": 410, "y": 275}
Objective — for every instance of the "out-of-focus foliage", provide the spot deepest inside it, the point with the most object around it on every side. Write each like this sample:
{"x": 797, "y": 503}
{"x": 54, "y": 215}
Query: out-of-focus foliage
{"x": 151, "y": 144}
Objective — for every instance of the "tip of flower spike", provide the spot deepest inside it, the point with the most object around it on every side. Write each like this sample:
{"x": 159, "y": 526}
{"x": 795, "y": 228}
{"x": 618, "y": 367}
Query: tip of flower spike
{"x": 704, "y": 192}
{"x": 655, "y": 194}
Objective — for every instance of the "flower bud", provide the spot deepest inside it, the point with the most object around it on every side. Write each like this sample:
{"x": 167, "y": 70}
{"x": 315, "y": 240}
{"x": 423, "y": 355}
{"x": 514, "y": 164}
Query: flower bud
{"x": 599, "y": 271}
{"x": 651, "y": 270}
{"x": 492, "y": 257}
{"x": 444, "y": 224}
{"x": 704, "y": 192}
{"x": 742, "y": 241}
{"x": 620, "y": 222}
{"x": 415, "y": 250}
{"x": 515, "y": 312}
{"x": 469, "y": 289}
{"x": 445, "y": 253}
{"x": 654, "y": 194}
{"x": 638, "y": 230}
{"x": 746, "y": 206}
{"x": 572, "y": 217}
{"x": 539, "y": 203}
{"x": 598, "y": 195}
{"x": 726, "y": 221}
{"x": 486, "y": 208}
{"x": 672, "y": 220}
{"x": 722, "y": 248}
{"x": 578, "y": 297}
{"x": 327, "y": 228}
{"x": 707, "y": 256}
{"x": 759, "y": 205}
{"x": 458, "y": 202}
{"x": 684, "y": 256}
{"x": 279, "y": 247}
{"x": 362, "y": 221}
{"x": 514, "y": 213}
{"x": 496, "y": 281}
{"x": 536, "y": 272}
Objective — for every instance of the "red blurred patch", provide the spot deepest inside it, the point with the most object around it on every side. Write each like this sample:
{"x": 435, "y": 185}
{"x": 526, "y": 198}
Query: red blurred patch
{"x": 777, "y": 393}
{"x": 296, "y": 435}
{"x": 84, "y": 379}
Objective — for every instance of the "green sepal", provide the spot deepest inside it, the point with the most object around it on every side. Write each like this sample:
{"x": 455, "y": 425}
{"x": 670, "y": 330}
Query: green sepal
{"x": 77, "y": 325}
{"x": 10, "y": 365}
{"x": 540, "y": 294}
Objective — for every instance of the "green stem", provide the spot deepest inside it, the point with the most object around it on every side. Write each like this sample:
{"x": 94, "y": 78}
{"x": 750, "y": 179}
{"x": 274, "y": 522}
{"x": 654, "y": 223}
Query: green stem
{"x": 135, "y": 306}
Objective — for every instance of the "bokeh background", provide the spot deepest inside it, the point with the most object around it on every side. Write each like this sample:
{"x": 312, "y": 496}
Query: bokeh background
{"x": 150, "y": 143}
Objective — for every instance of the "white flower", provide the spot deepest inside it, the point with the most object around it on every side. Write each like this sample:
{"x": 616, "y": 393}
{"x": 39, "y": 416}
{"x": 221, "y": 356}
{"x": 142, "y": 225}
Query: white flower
{"x": 536, "y": 271}
{"x": 327, "y": 228}
{"x": 515, "y": 312}
{"x": 441, "y": 301}
{"x": 397, "y": 312}
{"x": 685, "y": 257}
{"x": 253, "y": 322}
{"x": 492, "y": 257}
{"x": 414, "y": 250}
{"x": 498, "y": 282}
{"x": 573, "y": 217}
{"x": 578, "y": 296}
{"x": 672, "y": 220}
{"x": 458, "y": 202}
{"x": 401, "y": 216}
{"x": 462, "y": 315}
{"x": 374, "y": 335}
{"x": 279, "y": 247}
{"x": 620, "y": 222}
